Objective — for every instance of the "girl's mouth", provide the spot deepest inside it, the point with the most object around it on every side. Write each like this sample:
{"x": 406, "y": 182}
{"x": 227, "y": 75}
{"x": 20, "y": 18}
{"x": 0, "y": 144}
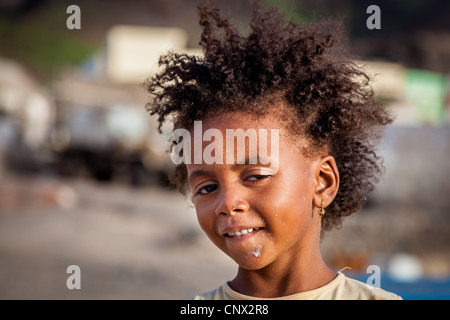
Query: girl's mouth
{"x": 241, "y": 232}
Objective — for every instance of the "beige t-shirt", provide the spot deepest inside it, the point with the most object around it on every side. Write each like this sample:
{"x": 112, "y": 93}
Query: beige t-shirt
{"x": 340, "y": 288}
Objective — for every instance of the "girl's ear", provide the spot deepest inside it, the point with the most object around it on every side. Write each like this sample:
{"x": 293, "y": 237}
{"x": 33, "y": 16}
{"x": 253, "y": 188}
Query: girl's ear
{"x": 327, "y": 182}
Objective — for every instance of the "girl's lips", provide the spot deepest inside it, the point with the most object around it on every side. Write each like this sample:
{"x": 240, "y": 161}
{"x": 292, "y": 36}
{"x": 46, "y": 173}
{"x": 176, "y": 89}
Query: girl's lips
{"x": 240, "y": 232}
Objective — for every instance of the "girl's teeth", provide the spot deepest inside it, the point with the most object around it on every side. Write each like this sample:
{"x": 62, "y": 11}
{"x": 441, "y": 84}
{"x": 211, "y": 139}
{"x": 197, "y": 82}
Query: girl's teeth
{"x": 241, "y": 232}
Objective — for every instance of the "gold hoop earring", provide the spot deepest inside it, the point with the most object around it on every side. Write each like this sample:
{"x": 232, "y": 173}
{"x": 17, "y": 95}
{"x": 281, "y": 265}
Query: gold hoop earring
{"x": 321, "y": 209}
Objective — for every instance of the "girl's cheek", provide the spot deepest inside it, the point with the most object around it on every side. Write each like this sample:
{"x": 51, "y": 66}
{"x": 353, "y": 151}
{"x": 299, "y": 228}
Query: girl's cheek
{"x": 203, "y": 220}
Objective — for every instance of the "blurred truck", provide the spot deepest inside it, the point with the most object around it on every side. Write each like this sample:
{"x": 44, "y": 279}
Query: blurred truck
{"x": 102, "y": 130}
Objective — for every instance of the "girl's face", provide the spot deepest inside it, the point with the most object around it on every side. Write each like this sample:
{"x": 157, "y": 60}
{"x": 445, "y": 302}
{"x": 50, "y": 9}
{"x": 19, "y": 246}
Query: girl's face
{"x": 257, "y": 214}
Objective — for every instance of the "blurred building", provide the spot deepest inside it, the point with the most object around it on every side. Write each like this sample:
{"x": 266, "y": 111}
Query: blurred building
{"x": 415, "y": 147}
{"x": 414, "y": 97}
{"x": 26, "y": 116}
{"x": 101, "y": 123}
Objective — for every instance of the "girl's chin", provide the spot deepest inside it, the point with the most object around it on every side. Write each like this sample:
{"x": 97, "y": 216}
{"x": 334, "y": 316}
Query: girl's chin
{"x": 253, "y": 259}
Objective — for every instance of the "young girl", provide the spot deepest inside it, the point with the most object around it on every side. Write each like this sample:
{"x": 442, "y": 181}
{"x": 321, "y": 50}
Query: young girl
{"x": 292, "y": 88}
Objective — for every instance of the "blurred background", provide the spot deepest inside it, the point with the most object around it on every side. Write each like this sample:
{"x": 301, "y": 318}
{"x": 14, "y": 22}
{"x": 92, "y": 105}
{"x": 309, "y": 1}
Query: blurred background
{"x": 83, "y": 169}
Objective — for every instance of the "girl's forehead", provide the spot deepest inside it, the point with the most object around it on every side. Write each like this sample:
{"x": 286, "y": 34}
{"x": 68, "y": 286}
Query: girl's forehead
{"x": 246, "y": 121}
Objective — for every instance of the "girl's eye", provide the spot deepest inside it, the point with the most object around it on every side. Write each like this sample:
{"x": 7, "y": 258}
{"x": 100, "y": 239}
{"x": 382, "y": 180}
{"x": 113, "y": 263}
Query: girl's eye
{"x": 213, "y": 187}
{"x": 256, "y": 177}
{"x": 207, "y": 189}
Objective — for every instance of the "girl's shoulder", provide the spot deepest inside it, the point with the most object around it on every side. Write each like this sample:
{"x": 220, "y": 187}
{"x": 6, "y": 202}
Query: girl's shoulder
{"x": 351, "y": 289}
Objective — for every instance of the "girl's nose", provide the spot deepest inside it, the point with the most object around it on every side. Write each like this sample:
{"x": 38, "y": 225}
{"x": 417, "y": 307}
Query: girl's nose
{"x": 231, "y": 202}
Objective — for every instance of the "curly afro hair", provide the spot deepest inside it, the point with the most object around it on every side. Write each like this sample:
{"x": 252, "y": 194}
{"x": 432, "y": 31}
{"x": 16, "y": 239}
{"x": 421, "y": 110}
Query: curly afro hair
{"x": 328, "y": 96}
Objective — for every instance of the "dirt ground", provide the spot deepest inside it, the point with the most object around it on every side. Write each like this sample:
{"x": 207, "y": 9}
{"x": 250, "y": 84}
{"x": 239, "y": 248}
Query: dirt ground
{"x": 145, "y": 243}
{"x": 129, "y": 243}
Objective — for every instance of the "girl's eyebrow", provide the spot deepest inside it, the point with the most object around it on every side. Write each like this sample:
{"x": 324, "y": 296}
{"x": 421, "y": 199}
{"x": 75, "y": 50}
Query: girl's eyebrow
{"x": 263, "y": 161}
{"x": 198, "y": 173}
{"x": 257, "y": 161}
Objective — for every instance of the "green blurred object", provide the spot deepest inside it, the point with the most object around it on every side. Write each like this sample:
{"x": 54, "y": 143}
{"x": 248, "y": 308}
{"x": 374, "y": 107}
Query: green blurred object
{"x": 291, "y": 9}
{"x": 42, "y": 41}
{"x": 425, "y": 92}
